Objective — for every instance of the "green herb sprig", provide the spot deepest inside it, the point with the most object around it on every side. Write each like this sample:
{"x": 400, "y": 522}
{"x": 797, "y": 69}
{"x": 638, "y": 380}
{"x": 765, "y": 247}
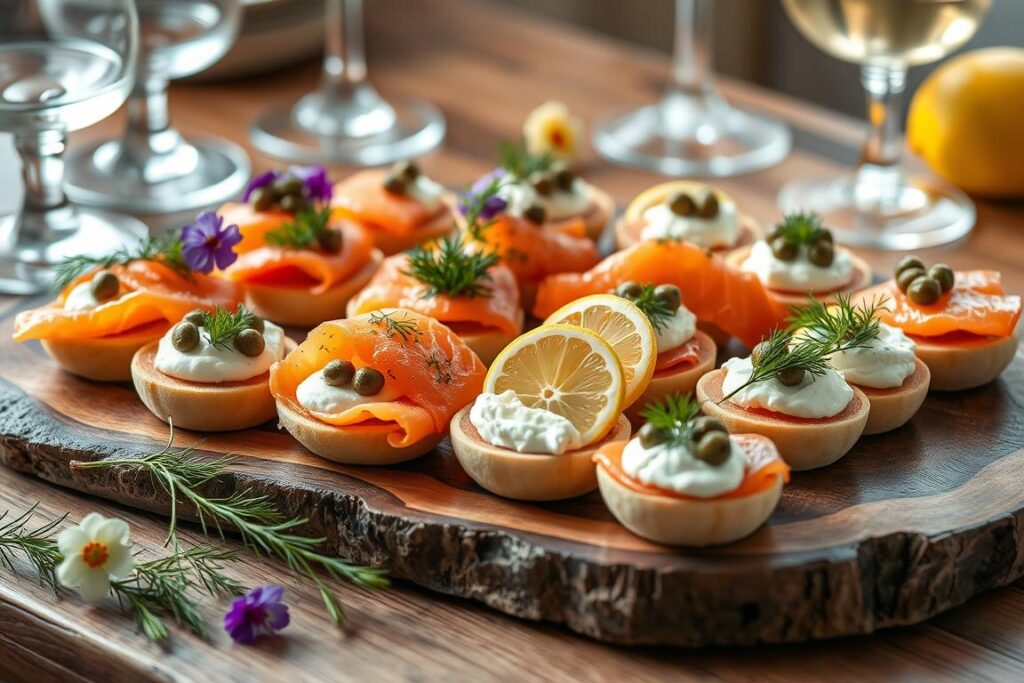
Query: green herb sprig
{"x": 475, "y": 206}
{"x": 841, "y": 320}
{"x": 165, "y": 248}
{"x": 37, "y": 545}
{"x": 673, "y": 416}
{"x": 302, "y": 232}
{"x": 656, "y": 310}
{"x": 396, "y": 327}
{"x": 800, "y": 228}
{"x": 519, "y": 163}
{"x": 223, "y": 326}
{"x": 450, "y": 269}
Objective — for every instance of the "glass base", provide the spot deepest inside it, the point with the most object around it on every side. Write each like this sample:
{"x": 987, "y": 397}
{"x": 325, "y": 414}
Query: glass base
{"x": 194, "y": 175}
{"x": 910, "y": 213}
{"x": 401, "y": 129}
{"x": 684, "y": 135}
{"x": 27, "y": 267}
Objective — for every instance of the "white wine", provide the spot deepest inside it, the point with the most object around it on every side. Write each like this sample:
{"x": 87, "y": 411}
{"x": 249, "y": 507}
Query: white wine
{"x": 887, "y": 32}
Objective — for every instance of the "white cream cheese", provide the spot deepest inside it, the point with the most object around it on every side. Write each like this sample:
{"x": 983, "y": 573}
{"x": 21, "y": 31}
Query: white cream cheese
{"x": 798, "y": 275}
{"x": 674, "y": 467}
{"x": 502, "y": 420}
{"x": 885, "y": 362}
{"x": 675, "y": 331}
{"x": 80, "y": 298}
{"x": 315, "y": 394}
{"x": 558, "y": 205}
{"x": 721, "y": 231}
{"x": 211, "y": 364}
{"x": 815, "y": 397}
{"x": 426, "y": 191}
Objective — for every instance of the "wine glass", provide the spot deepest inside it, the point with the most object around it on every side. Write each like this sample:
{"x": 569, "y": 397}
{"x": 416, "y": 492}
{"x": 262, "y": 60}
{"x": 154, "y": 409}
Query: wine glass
{"x": 346, "y": 121}
{"x": 151, "y": 168}
{"x": 881, "y": 204}
{"x": 64, "y": 65}
{"x": 692, "y": 131}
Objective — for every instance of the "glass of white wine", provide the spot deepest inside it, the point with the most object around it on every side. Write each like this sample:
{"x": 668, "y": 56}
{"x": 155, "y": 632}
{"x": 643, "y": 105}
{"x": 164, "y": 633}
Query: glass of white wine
{"x": 881, "y": 204}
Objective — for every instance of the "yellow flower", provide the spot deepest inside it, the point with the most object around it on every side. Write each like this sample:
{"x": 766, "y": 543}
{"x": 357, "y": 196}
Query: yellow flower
{"x": 94, "y": 551}
{"x": 551, "y": 129}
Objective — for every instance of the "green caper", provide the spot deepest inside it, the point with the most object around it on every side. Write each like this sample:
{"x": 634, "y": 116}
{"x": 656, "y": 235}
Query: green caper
{"x": 714, "y": 448}
{"x": 338, "y": 373}
{"x": 758, "y": 352}
{"x": 944, "y": 275}
{"x": 185, "y": 336}
{"x": 543, "y": 183}
{"x": 368, "y": 382}
{"x": 289, "y": 186}
{"x": 262, "y": 198}
{"x": 826, "y": 236}
{"x": 330, "y": 240}
{"x": 395, "y": 184}
{"x": 682, "y": 204}
{"x": 250, "y": 343}
{"x": 783, "y": 249}
{"x": 705, "y": 425}
{"x": 565, "y": 178}
{"x": 790, "y": 376}
{"x": 907, "y": 276}
{"x": 907, "y": 262}
{"x": 629, "y": 290}
{"x": 651, "y": 436}
{"x": 257, "y": 323}
{"x": 406, "y": 169}
{"x": 536, "y": 214}
{"x": 195, "y": 316}
{"x": 821, "y": 254}
{"x": 668, "y": 295}
{"x": 708, "y": 205}
{"x": 292, "y": 203}
{"x": 924, "y": 290}
{"x": 104, "y": 285}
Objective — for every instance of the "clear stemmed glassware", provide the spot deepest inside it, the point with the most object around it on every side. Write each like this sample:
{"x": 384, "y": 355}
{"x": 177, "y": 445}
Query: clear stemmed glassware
{"x": 151, "y": 168}
{"x": 64, "y": 65}
{"x": 692, "y": 130}
{"x": 880, "y": 203}
{"x": 346, "y": 121}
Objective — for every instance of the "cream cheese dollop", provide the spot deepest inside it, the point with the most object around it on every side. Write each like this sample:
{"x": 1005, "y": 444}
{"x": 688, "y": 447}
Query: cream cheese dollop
{"x": 504, "y": 421}
{"x": 883, "y": 363}
{"x": 315, "y": 394}
{"x": 559, "y": 205}
{"x": 798, "y": 275}
{"x": 674, "y": 467}
{"x": 81, "y": 298}
{"x": 660, "y": 223}
{"x": 675, "y": 331}
{"x": 210, "y": 364}
{"x": 815, "y": 397}
{"x": 426, "y": 191}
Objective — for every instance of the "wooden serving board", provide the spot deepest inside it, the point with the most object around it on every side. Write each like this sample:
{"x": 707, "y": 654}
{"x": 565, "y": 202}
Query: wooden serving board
{"x": 906, "y": 525}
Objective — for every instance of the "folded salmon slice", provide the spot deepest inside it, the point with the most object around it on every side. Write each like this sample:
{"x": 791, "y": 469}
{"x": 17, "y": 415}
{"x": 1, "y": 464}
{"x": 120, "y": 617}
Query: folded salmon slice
{"x": 533, "y": 252}
{"x": 150, "y": 292}
{"x": 361, "y": 197}
{"x": 733, "y": 300}
{"x": 431, "y": 369}
{"x": 391, "y": 287}
{"x": 686, "y": 354}
{"x": 253, "y": 224}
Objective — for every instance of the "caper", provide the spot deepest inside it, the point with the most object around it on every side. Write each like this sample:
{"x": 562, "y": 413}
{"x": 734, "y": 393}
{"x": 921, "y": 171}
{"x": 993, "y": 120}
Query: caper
{"x": 406, "y": 169}
{"x": 338, "y": 373}
{"x": 714, "y": 448}
{"x": 705, "y": 425}
{"x": 907, "y": 262}
{"x": 668, "y": 295}
{"x": 330, "y": 240}
{"x": 777, "y": 231}
{"x": 944, "y": 275}
{"x": 250, "y": 343}
{"x": 543, "y": 183}
{"x": 289, "y": 186}
{"x": 185, "y": 336}
{"x": 924, "y": 290}
{"x": 783, "y": 249}
{"x": 104, "y": 285}
{"x": 651, "y": 436}
{"x": 565, "y": 178}
{"x": 790, "y": 376}
{"x": 708, "y": 206}
{"x": 907, "y": 276}
{"x": 195, "y": 316}
{"x": 535, "y": 214}
{"x": 395, "y": 184}
{"x": 292, "y": 203}
{"x": 368, "y": 382}
{"x": 826, "y": 236}
{"x": 629, "y": 290}
{"x": 821, "y": 254}
{"x": 758, "y": 353}
{"x": 262, "y": 198}
{"x": 681, "y": 204}
{"x": 257, "y": 323}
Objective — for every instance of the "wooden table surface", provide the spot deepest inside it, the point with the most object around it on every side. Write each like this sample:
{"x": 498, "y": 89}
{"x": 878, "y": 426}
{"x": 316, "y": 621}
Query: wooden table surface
{"x": 486, "y": 68}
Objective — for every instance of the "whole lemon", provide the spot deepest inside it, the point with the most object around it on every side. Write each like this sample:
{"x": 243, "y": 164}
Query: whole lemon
{"x": 967, "y": 122}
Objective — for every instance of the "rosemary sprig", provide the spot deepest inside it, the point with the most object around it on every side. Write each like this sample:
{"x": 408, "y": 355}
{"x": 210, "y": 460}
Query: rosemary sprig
{"x": 842, "y": 320}
{"x": 673, "y": 416}
{"x": 166, "y": 248}
{"x": 448, "y": 268}
{"x": 223, "y": 326}
{"x": 656, "y": 310}
{"x": 37, "y": 545}
{"x": 302, "y": 232}
{"x": 800, "y": 228}
{"x": 401, "y": 327}
{"x": 519, "y": 163}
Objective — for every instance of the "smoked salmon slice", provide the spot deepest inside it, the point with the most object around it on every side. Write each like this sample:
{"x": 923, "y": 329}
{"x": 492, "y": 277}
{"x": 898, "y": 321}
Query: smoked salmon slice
{"x": 392, "y": 287}
{"x": 151, "y": 292}
{"x": 686, "y": 354}
{"x": 716, "y": 293}
{"x": 533, "y": 252}
{"x": 433, "y": 371}
{"x": 361, "y": 197}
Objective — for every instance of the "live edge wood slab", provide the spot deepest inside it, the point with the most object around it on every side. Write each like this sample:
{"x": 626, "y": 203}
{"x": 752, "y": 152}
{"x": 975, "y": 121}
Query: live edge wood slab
{"x": 908, "y": 524}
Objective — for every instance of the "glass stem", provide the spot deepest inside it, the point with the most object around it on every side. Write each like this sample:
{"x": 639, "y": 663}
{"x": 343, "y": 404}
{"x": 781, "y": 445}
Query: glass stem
{"x": 344, "y": 65}
{"x": 147, "y": 111}
{"x": 691, "y": 57}
{"x": 884, "y": 87}
{"x": 45, "y": 209}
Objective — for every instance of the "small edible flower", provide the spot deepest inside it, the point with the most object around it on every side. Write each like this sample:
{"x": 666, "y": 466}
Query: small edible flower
{"x": 315, "y": 185}
{"x": 95, "y": 551}
{"x": 493, "y": 204}
{"x": 207, "y": 243}
{"x": 262, "y": 180}
{"x": 551, "y": 129}
{"x": 258, "y": 612}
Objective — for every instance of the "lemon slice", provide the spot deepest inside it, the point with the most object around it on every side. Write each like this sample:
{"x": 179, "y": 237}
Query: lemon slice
{"x": 567, "y": 370}
{"x": 620, "y": 323}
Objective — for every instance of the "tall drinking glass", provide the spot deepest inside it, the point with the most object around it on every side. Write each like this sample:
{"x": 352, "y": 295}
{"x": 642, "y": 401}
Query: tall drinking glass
{"x": 881, "y": 204}
{"x": 151, "y": 168}
{"x": 64, "y": 65}
{"x": 346, "y": 121}
{"x": 692, "y": 130}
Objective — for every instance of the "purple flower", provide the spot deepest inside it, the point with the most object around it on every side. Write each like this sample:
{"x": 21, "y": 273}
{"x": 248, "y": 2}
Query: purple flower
{"x": 262, "y": 180}
{"x": 493, "y": 204}
{"x": 314, "y": 179}
{"x": 207, "y": 242}
{"x": 259, "y": 612}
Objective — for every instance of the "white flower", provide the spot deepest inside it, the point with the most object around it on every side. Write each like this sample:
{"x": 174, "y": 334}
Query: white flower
{"x": 551, "y": 129}
{"x": 95, "y": 551}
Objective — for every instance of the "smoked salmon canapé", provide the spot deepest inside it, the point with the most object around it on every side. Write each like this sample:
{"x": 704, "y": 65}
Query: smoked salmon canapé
{"x": 687, "y": 211}
{"x": 210, "y": 372}
{"x": 684, "y": 480}
{"x": 470, "y": 292}
{"x": 964, "y": 326}
{"x": 400, "y": 207}
{"x": 108, "y": 308}
{"x": 798, "y": 258}
{"x": 549, "y": 400}
{"x": 375, "y": 389}
{"x": 787, "y": 390}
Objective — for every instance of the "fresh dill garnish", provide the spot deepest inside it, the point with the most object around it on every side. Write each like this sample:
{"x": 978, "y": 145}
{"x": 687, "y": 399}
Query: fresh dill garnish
{"x": 800, "y": 228}
{"x": 478, "y": 209}
{"x": 779, "y": 353}
{"x": 37, "y": 545}
{"x": 165, "y": 248}
{"x": 656, "y": 309}
{"x": 840, "y": 320}
{"x": 519, "y": 163}
{"x": 672, "y": 416}
{"x": 223, "y": 326}
{"x": 302, "y": 232}
{"x": 395, "y": 327}
{"x": 448, "y": 268}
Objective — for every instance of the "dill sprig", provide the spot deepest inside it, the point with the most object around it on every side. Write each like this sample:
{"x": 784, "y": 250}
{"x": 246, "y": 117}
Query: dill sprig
{"x": 264, "y": 530}
{"x": 800, "y": 228}
{"x": 37, "y": 545}
{"x": 673, "y": 416}
{"x": 166, "y": 248}
{"x": 779, "y": 353}
{"x": 475, "y": 207}
{"x": 302, "y": 232}
{"x": 656, "y": 310}
{"x": 400, "y": 327}
{"x": 223, "y": 326}
{"x": 841, "y": 320}
{"x": 448, "y": 268}
{"x": 519, "y": 163}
